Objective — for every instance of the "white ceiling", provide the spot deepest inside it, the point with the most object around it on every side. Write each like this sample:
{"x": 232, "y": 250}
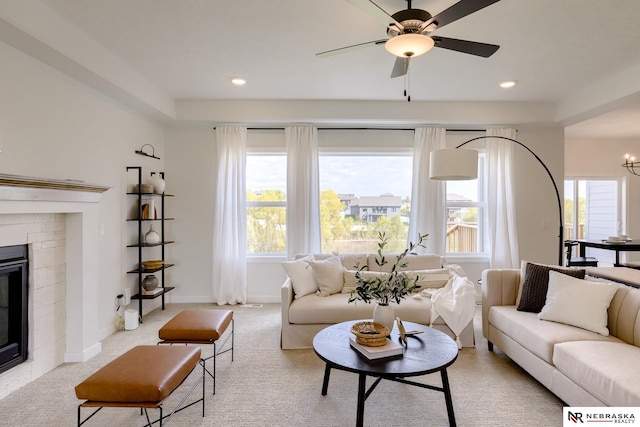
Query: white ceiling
{"x": 554, "y": 49}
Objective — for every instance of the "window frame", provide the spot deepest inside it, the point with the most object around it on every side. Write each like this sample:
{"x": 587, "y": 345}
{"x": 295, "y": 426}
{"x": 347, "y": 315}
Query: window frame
{"x": 262, "y": 152}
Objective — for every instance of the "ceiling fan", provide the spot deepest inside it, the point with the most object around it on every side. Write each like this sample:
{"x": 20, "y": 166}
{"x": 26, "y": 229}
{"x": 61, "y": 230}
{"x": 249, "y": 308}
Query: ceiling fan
{"x": 409, "y": 32}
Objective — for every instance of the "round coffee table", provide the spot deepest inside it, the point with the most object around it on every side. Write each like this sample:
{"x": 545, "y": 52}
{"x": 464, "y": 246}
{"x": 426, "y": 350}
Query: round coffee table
{"x": 429, "y": 352}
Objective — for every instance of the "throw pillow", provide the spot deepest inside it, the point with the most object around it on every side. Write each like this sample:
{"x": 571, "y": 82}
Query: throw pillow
{"x": 536, "y": 283}
{"x": 430, "y": 278}
{"x": 580, "y": 303}
{"x": 351, "y": 282}
{"x": 329, "y": 275}
{"x": 301, "y": 275}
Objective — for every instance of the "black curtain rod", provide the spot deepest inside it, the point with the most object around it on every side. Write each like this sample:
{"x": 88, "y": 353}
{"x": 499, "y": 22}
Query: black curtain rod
{"x": 365, "y": 128}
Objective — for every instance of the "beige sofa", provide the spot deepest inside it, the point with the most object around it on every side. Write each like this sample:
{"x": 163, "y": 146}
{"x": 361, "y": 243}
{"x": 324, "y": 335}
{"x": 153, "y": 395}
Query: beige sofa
{"x": 305, "y": 316}
{"x": 581, "y": 367}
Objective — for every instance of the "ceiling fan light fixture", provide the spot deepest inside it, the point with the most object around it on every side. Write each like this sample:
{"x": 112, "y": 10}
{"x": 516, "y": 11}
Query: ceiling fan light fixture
{"x": 409, "y": 45}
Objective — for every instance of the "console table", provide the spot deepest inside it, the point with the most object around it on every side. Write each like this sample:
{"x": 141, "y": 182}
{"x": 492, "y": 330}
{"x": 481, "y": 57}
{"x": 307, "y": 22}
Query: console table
{"x": 616, "y": 246}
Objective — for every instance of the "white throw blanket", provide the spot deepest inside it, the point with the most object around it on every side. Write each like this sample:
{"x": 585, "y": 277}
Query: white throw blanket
{"x": 455, "y": 303}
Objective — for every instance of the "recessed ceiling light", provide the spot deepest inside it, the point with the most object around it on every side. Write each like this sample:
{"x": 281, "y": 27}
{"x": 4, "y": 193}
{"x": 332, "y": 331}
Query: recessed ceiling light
{"x": 508, "y": 84}
{"x": 238, "y": 81}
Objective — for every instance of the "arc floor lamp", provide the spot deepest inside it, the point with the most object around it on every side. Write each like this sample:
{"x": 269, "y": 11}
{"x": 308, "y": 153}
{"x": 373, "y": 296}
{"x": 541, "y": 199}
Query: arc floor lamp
{"x": 456, "y": 164}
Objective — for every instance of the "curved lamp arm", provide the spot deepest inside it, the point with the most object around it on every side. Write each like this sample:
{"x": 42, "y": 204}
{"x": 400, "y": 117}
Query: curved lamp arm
{"x": 555, "y": 187}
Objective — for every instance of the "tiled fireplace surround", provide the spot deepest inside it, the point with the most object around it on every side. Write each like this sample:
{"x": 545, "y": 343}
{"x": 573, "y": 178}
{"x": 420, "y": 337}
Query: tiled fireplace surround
{"x": 61, "y": 229}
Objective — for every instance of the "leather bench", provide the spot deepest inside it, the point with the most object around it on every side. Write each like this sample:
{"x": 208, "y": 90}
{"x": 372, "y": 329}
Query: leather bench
{"x": 200, "y": 327}
{"x": 143, "y": 377}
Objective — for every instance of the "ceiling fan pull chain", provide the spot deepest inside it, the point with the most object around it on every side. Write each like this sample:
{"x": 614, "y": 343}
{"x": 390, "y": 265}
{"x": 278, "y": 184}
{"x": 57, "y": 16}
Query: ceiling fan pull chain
{"x": 407, "y": 80}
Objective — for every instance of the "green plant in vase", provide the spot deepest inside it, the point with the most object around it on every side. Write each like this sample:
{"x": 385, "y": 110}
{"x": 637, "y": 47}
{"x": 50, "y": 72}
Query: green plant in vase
{"x": 385, "y": 288}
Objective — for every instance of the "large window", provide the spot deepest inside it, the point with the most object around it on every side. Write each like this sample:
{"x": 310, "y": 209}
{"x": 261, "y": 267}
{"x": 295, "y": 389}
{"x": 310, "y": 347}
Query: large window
{"x": 466, "y": 213}
{"x": 362, "y": 195}
{"x": 266, "y": 204}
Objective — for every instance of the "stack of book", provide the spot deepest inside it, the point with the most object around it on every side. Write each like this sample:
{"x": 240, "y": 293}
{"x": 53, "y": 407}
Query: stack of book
{"x": 154, "y": 291}
{"x": 389, "y": 350}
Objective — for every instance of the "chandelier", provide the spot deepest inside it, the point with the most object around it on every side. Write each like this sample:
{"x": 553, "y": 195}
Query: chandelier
{"x": 630, "y": 163}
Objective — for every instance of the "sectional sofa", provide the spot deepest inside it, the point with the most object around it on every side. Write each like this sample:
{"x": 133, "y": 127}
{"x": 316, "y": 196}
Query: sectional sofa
{"x": 309, "y": 306}
{"x": 586, "y": 351}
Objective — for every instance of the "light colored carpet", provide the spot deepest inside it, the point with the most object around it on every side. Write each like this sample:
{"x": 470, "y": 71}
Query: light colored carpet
{"x": 265, "y": 385}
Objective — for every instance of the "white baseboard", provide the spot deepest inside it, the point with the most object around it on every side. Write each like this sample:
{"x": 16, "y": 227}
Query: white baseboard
{"x": 85, "y": 355}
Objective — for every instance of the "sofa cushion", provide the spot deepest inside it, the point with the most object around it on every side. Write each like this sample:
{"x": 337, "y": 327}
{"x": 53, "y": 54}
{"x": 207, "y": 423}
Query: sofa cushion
{"x": 351, "y": 282}
{"x": 414, "y": 262}
{"x": 328, "y": 274}
{"x": 595, "y": 366}
{"x": 536, "y": 283}
{"x": 433, "y": 278}
{"x": 577, "y": 302}
{"x": 313, "y": 309}
{"x": 427, "y": 279}
{"x": 538, "y": 336}
{"x": 349, "y": 261}
{"x": 301, "y": 275}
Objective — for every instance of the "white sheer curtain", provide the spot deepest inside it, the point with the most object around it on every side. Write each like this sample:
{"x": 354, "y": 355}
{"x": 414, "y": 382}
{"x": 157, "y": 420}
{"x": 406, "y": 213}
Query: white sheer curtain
{"x": 229, "y": 264}
{"x": 428, "y": 196}
{"x": 303, "y": 190}
{"x": 503, "y": 229}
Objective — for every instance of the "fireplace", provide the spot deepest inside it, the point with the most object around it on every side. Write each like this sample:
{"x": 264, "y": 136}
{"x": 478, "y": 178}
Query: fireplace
{"x": 14, "y": 317}
{"x": 57, "y": 220}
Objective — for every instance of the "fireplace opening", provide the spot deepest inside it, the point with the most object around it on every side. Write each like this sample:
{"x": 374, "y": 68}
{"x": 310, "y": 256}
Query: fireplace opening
{"x": 14, "y": 317}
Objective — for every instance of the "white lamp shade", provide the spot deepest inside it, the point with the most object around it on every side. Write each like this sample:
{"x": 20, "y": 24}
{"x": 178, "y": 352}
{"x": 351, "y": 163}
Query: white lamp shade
{"x": 409, "y": 45}
{"x": 453, "y": 164}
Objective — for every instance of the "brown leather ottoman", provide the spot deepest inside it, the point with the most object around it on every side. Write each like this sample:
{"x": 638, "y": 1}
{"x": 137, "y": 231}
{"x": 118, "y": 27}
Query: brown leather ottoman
{"x": 194, "y": 326}
{"x": 143, "y": 377}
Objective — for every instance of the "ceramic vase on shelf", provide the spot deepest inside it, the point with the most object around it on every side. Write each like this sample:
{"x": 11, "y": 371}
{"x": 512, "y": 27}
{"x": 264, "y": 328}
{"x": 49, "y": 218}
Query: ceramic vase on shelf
{"x": 152, "y": 237}
{"x": 150, "y": 282}
{"x": 384, "y": 314}
{"x": 158, "y": 183}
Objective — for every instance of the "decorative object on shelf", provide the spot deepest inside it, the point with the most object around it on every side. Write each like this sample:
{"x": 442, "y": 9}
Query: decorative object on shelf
{"x": 386, "y": 287}
{"x": 158, "y": 183}
{"x": 146, "y": 188}
{"x": 152, "y": 264}
{"x": 630, "y": 164}
{"x": 144, "y": 153}
{"x": 152, "y": 237}
{"x": 371, "y": 334}
{"x": 455, "y": 164}
{"x": 149, "y": 210}
{"x": 150, "y": 282}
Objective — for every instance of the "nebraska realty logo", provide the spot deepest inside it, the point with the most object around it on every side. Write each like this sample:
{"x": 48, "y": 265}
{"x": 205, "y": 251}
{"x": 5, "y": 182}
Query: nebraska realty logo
{"x": 602, "y": 416}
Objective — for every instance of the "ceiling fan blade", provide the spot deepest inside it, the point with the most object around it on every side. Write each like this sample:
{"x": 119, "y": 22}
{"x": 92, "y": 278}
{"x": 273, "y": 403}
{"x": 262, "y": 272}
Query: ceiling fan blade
{"x": 375, "y": 11}
{"x": 400, "y": 67}
{"x": 457, "y": 11}
{"x": 484, "y": 50}
{"x": 350, "y": 48}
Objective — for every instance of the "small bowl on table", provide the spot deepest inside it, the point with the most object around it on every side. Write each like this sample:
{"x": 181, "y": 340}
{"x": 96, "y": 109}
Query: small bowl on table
{"x": 371, "y": 334}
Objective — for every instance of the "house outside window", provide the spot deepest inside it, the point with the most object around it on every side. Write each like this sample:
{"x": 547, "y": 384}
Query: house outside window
{"x": 362, "y": 194}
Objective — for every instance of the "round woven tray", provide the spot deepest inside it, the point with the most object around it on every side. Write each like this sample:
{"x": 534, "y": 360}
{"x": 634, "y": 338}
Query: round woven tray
{"x": 371, "y": 334}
